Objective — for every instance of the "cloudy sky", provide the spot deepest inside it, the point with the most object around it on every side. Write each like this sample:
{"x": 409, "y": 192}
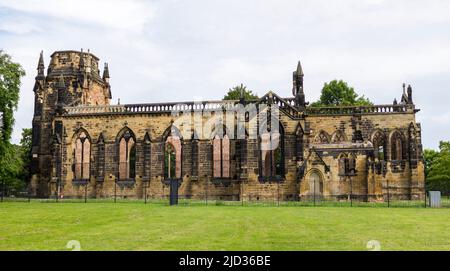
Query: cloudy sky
{"x": 175, "y": 50}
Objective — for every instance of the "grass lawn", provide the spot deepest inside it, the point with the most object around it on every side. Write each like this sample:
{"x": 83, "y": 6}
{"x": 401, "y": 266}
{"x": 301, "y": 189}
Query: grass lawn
{"x": 135, "y": 226}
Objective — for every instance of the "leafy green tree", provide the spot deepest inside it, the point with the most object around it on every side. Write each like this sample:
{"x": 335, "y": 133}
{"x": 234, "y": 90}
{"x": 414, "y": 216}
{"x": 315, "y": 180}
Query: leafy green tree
{"x": 15, "y": 165}
{"x": 437, "y": 168}
{"x": 10, "y": 75}
{"x": 25, "y": 151}
{"x": 11, "y": 168}
{"x": 25, "y": 141}
{"x": 235, "y": 93}
{"x": 430, "y": 156}
{"x": 339, "y": 93}
{"x": 11, "y": 163}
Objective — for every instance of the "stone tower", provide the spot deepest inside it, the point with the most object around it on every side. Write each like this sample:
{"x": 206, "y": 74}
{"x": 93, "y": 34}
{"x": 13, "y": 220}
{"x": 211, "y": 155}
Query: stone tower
{"x": 297, "y": 88}
{"x": 73, "y": 79}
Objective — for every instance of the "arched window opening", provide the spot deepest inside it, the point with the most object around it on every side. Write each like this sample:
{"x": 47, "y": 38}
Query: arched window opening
{"x": 272, "y": 154}
{"x": 299, "y": 143}
{"x": 278, "y": 162}
{"x": 396, "y": 147}
{"x": 323, "y": 138}
{"x": 339, "y": 137}
{"x": 170, "y": 161}
{"x": 221, "y": 157}
{"x": 127, "y": 157}
{"x": 380, "y": 153}
{"x": 413, "y": 151}
{"x": 172, "y": 157}
{"x": 379, "y": 144}
{"x": 82, "y": 155}
{"x": 342, "y": 165}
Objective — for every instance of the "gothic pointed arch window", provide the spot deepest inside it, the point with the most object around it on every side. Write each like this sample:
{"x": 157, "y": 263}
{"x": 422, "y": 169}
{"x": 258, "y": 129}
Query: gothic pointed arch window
{"x": 82, "y": 154}
{"x": 413, "y": 151}
{"x": 338, "y": 137}
{"x": 100, "y": 157}
{"x": 299, "y": 143}
{"x": 170, "y": 161}
{"x": 272, "y": 155}
{"x": 221, "y": 156}
{"x": 322, "y": 138}
{"x": 396, "y": 146}
{"x": 127, "y": 155}
{"x": 172, "y": 154}
{"x": 379, "y": 145}
{"x": 147, "y": 156}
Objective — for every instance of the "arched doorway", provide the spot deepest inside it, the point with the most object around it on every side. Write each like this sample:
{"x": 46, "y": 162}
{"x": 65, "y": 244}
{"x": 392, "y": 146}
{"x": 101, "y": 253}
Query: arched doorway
{"x": 315, "y": 182}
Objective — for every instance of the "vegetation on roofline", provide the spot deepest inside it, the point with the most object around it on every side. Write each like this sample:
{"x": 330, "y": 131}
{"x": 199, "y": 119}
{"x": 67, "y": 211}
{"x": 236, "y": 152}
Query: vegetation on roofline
{"x": 339, "y": 93}
{"x": 235, "y": 93}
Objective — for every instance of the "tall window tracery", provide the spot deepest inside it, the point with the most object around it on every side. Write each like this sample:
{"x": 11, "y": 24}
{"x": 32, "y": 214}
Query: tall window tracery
{"x": 338, "y": 137}
{"x": 221, "y": 156}
{"x": 272, "y": 154}
{"x": 82, "y": 155}
{"x": 127, "y": 156}
{"x": 396, "y": 146}
{"x": 323, "y": 138}
{"x": 172, "y": 157}
{"x": 379, "y": 145}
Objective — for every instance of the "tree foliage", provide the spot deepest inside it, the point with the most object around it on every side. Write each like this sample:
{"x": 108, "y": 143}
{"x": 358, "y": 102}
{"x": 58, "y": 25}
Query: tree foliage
{"x": 25, "y": 152}
{"x": 11, "y": 163}
{"x": 10, "y": 75}
{"x": 15, "y": 164}
{"x": 339, "y": 93}
{"x": 437, "y": 168}
{"x": 11, "y": 168}
{"x": 235, "y": 93}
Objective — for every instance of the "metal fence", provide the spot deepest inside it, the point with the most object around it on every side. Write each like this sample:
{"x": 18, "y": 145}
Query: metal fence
{"x": 207, "y": 198}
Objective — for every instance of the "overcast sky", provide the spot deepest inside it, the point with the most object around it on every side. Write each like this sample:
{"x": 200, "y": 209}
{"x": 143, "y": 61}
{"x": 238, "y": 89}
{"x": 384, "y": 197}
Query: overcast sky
{"x": 183, "y": 50}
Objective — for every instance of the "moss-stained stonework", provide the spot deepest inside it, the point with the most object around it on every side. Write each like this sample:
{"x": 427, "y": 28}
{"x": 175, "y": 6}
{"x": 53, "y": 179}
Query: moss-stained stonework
{"x": 382, "y": 144}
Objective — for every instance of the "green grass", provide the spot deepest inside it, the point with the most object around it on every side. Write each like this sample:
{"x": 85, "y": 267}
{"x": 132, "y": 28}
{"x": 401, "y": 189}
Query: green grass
{"x": 136, "y": 226}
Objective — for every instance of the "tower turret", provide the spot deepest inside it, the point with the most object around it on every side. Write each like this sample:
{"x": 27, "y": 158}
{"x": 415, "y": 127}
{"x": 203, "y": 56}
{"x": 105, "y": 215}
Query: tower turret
{"x": 105, "y": 78}
{"x": 409, "y": 92}
{"x": 297, "y": 89}
{"x": 106, "y": 73}
{"x": 81, "y": 63}
{"x": 72, "y": 79}
{"x": 40, "y": 67}
{"x": 407, "y": 95}
{"x": 88, "y": 63}
{"x": 404, "y": 99}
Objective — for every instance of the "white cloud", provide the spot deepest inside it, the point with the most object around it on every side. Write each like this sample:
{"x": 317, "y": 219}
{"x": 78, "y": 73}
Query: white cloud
{"x": 19, "y": 26}
{"x": 128, "y": 15}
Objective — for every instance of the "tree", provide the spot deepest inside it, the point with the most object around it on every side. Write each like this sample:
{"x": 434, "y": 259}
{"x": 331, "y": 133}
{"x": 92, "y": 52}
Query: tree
{"x": 437, "y": 168}
{"x": 11, "y": 168}
{"x": 430, "y": 156}
{"x": 339, "y": 93}
{"x": 25, "y": 151}
{"x": 235, "y": 93}
{"x": 11, "y": 163}
{"x": 15, "y": 165}
{"x": 10, "y": 75}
